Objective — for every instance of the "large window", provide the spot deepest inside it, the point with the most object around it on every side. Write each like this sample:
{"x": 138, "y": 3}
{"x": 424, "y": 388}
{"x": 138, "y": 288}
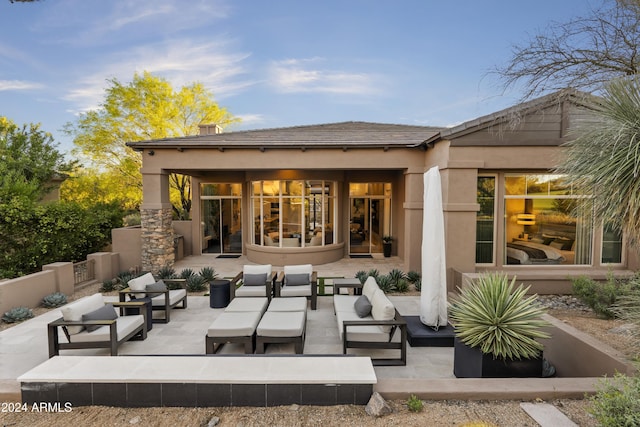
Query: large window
{"x": 293, "y": 213}
{"x": 542, "y": 223}
{"x": 485, "y": 219}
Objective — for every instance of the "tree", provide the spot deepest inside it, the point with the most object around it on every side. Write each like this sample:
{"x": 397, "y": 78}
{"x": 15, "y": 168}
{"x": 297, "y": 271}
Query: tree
{"x": 146, "y": 108}
{"x": 605, "y": 160}
{"x": 584, "y": 53}
{"x": 29, "y": 160}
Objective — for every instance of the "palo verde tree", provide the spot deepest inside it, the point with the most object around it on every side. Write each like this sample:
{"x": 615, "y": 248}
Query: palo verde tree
{"x": 605, "y": 160}
{"x": 146, "y": 108}
{"x": 584, "y": 53}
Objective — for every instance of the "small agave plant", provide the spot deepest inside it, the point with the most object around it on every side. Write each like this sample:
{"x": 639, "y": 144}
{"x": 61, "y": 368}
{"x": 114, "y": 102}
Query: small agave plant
{"x": 54, "y": 300}
{"x": 17, "y": 314}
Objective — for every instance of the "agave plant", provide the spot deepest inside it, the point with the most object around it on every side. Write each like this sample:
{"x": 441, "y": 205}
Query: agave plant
{"x": 396, "y": 275}
{"x": 374, "y": 273}
{"x": 195, "y": 283}
{"x": 54, "y": 300}
{"x": 385, "y": 283}
{"x": 186, "y": 273}
{"x": 362, "y": 276}
{"x": 17, "y": 314}
{"x": 208, "y": 274}
{"x": 166, "y": 272}
{"x": 498, "y": 319}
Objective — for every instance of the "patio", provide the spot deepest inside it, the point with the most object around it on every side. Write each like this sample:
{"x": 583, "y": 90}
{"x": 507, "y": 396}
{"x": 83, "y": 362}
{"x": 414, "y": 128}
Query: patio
{"x": 428, "y": 373}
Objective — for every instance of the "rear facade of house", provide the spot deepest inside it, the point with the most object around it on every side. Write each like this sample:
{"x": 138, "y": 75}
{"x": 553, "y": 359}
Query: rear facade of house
{"x": 317, "y": 194}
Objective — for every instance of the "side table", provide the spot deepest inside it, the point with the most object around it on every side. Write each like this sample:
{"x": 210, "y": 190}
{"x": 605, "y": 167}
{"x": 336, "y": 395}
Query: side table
{"x": 353, "y": 283}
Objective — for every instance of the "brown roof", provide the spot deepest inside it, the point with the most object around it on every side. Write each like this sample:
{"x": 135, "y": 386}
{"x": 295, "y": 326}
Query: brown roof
{"x": 345, "y": 134}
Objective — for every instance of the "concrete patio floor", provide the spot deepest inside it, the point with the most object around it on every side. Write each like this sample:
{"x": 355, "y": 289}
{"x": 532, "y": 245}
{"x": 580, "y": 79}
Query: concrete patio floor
{"x": 428, "y": 374}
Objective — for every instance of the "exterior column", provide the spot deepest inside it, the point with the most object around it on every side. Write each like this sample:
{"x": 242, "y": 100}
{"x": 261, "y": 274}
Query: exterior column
{"x": 413, "y": 215}
{"x": 156, "y": 217}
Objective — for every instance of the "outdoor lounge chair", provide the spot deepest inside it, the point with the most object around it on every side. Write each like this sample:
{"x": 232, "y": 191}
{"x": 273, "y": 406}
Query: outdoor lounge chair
{"x": 285, "y": 321}
{"x": 237, "y": 324}
{"x": 257, "y": 281}
{"x": 90, "y": 323}
{"x": 298, "y": 281}
{"x": 162, "y": 298}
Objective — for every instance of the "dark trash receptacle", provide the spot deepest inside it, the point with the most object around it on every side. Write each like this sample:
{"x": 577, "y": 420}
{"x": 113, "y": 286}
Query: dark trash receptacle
{"x": 148, "y": 307}
{"x": 219, "y": 293}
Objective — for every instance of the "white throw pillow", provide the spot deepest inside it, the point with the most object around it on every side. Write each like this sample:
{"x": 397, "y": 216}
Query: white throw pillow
{"x": 73, "y": 312}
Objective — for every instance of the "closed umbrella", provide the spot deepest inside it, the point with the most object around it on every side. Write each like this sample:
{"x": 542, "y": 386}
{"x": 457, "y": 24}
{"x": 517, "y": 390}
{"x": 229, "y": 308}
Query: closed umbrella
{"x": 433, "y": 296}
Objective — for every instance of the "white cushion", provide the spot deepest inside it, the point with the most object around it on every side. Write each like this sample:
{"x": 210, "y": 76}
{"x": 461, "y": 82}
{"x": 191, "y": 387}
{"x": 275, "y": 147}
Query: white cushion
{"x": 251, "y": 291}
{"x": 370, "y": 287}
{"x": 257, "y": 269}
{"x": 295, "y": 291}
{"x": 124, "y": 326}
{"x": 382, "y": 308}
{"x": 361, "y": 333}
{"x": 344, "y": 302}
{"x": 140, "y": 283}
{"x": 175, "y": 295}
{"x": 299, "y": 269}
{"x": 234, "y": 324}
{"x": 288, "y": 304}
{"x": 281, "y": 324}
{"x": 73, "y": 312}
{"x": 248, "y": 304}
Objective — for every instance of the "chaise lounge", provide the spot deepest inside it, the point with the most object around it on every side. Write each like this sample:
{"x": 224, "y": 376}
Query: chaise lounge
{"x": 285, "y": 321}
{"x": 237, "y": 324}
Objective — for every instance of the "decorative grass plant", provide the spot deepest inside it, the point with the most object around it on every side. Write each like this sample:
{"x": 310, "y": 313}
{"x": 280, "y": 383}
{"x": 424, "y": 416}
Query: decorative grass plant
{"x": 498, "y": 319}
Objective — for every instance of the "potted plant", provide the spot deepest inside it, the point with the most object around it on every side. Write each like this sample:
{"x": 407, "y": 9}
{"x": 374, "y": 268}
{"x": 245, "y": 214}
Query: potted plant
{"x": 497, "y": 329}
{"x": 386, "y": 245}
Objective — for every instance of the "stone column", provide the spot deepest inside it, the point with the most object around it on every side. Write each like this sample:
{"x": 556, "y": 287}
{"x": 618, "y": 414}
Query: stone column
{"x": 156, "y": 217}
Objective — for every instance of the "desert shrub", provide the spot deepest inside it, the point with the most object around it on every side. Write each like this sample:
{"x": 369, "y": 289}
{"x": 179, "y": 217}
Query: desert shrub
{"x": 385, "y": 283}
{"x": 123, "y": 279}
{"x": 373, "y": 273}
{"x": 617, "y": 401}
{"x": 599, "y": 296}
{"x": 54, "y": 300}
{"x": 17, "y": 314}
{"x": 208, "y": 274}
{"x": 402, "y": 286}
{"x": 414, "y": 404}
{"x": 186, "y": 273}
{"x": 166, "y": 272}
{"x": 415, "y": 278}
{"x": 396, "y": 275}
{"x": 195, "y": 283}
{"x": 362, "y": 276}
{"x": 110, "y": 285}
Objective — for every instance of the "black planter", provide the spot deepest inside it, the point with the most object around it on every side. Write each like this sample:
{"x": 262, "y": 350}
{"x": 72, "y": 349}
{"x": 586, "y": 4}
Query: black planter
{"x": 386, "y": 249}
{"x": 470, "y": 362}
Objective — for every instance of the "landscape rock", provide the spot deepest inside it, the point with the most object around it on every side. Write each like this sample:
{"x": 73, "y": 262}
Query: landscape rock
{"x": 214, "y": 421}
{"x": 377, "y": 406}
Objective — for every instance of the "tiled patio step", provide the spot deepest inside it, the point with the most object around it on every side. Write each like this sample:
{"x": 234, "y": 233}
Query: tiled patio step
{"x": 200, "y": 381}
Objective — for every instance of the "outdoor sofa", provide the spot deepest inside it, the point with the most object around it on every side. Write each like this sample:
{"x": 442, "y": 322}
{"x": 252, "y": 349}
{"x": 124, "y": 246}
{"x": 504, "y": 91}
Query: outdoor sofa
{"x": 90, "y": 323}
{"x": 370, "y": 321}
{"x": 162, "y": 298}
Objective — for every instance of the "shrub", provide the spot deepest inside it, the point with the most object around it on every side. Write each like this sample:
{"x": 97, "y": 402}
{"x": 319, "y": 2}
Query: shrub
{"x": 208, "y": 274}
{"x": 499, "y": 320}
{"x": 374, "y": 273}
{"x": 385, "y": 283}
{"x": 110, "y": 285}
{"x": 17, "y": 314}
{"x": 599, "y": 296}
{"x": 402, "y": 286}
{"x": 195, "y": 283}
{"x": 186, "y": 273}
{"x": 415, "y": 279}
{"x": 54, "y": 300}
{"x": 617, "y": 403}
{"x": 166, "y": 272}
{"x": 396, "y": 275}
{"x": 123, "y": 279}
{"x": 414, "y": 404}
{"x": 362, "y": 276}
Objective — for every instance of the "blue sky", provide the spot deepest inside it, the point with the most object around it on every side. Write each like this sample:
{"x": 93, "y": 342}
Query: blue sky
{"x": 272, "y": 63}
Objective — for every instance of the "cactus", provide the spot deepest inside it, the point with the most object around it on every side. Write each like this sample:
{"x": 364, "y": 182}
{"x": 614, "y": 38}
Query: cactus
{"x": 17, "y": 314}
{"x": 54, "y": 300}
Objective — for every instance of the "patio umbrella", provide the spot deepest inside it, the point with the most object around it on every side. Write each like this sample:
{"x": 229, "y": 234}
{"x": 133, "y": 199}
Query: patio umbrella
{"x": 433, "y": 296}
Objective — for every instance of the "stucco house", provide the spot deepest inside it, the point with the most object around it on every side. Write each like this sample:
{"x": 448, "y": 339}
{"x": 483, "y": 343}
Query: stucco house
{"x": 316, "y": 194}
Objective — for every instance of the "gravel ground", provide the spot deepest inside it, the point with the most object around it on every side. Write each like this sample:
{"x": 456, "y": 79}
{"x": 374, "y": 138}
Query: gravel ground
{"x": 434, "y": 413}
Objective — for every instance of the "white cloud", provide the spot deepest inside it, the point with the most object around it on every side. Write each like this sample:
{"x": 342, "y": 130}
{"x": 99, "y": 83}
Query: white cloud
{"x": 181, "y": 62}
{"x": 6, "y": 85}
{"x": 307, "y": 75}
{"x": 249, "y": 120}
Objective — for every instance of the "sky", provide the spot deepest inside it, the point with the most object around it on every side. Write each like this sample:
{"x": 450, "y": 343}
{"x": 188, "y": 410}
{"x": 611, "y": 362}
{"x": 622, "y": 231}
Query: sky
{"x": 272, "y": 63}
